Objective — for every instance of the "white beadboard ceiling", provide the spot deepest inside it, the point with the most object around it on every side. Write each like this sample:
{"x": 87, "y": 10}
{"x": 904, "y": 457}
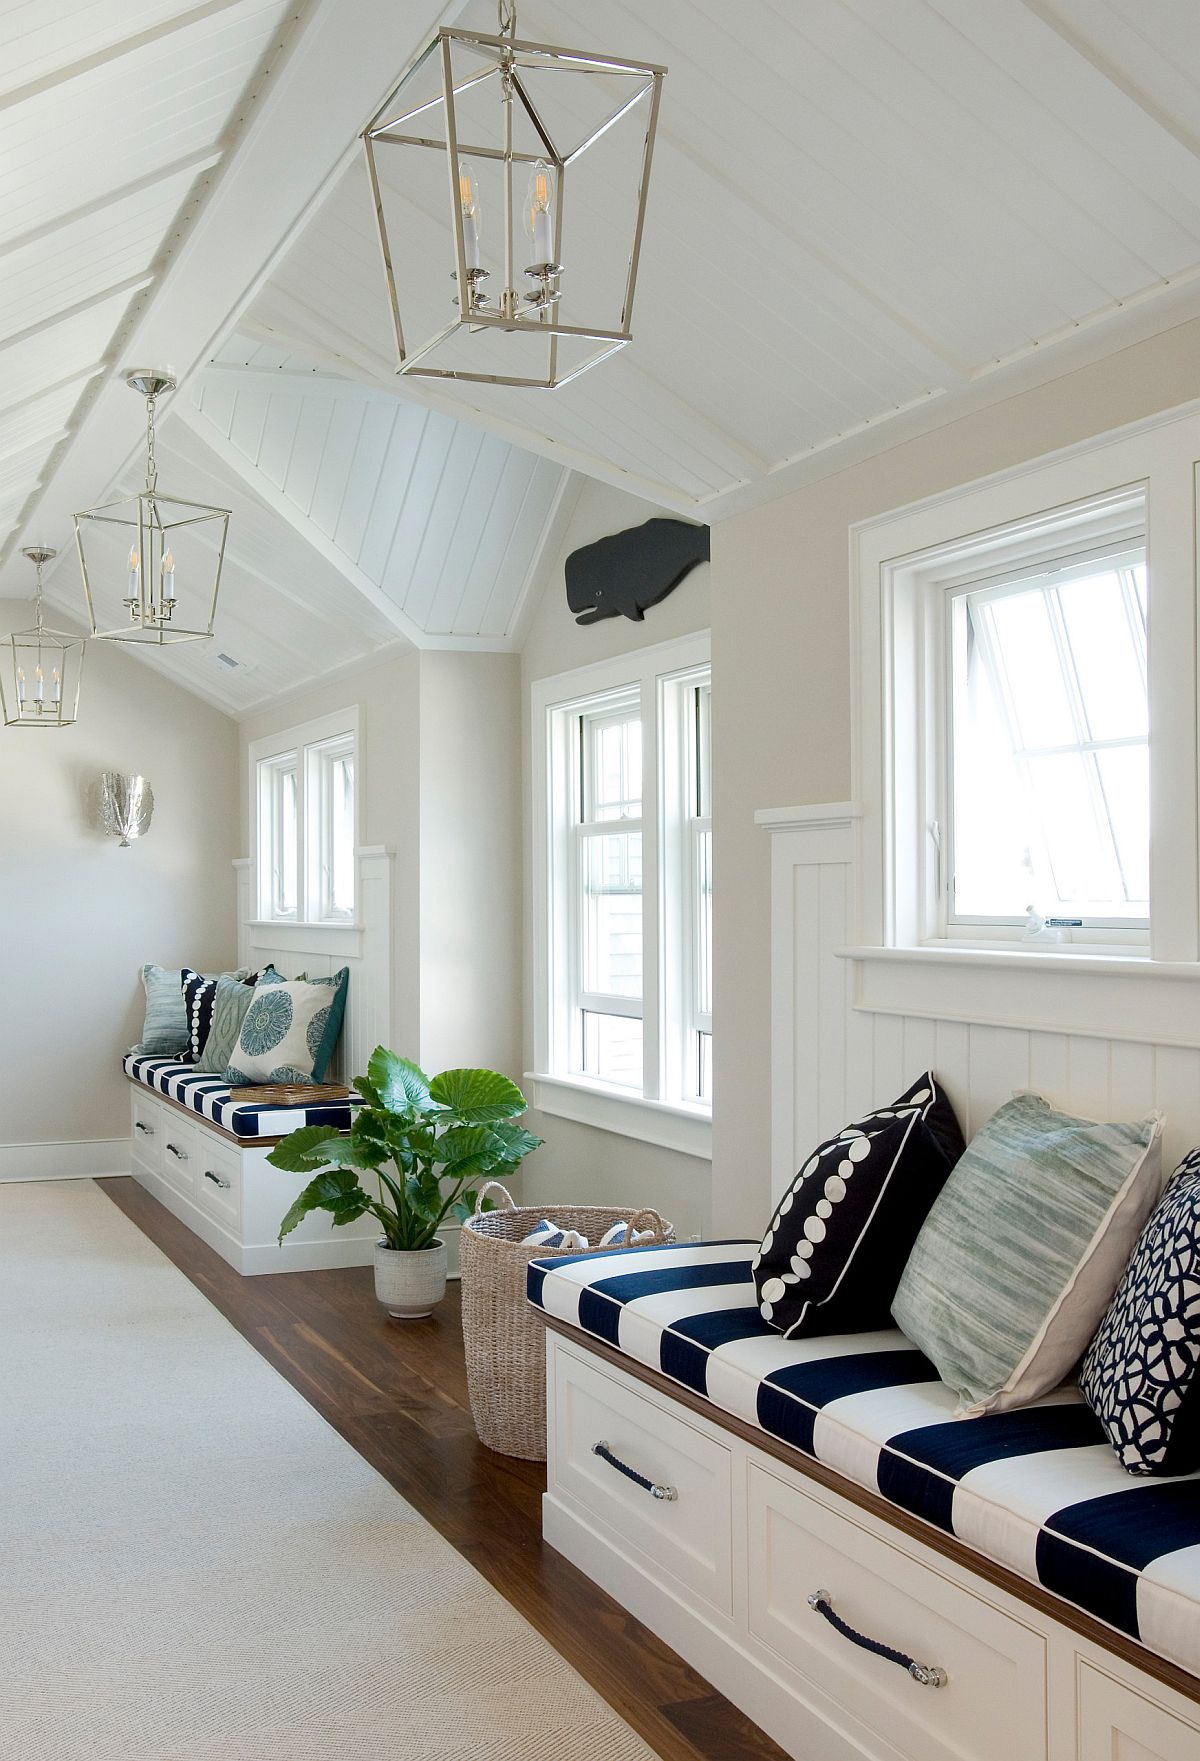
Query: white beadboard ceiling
{"x": 866, "y": 217}
{"x": 860, "y": 209}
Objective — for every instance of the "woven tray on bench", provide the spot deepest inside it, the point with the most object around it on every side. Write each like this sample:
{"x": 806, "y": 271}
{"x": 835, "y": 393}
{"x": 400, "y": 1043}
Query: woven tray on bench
{"x": 504, "y": 1337}
{"x": 289, "y": 1094}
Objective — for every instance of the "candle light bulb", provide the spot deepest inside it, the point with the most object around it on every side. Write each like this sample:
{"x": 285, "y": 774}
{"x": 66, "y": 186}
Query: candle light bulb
{"x": 20, "y": 684}
{"x": 538, "y": 201}
{"x": 55, "y": 687}
{"x": 38, "y": 686}
{"x": 468, "y": 202}
{"x": 135, "y": 568}
{"x": 168, "y": 575}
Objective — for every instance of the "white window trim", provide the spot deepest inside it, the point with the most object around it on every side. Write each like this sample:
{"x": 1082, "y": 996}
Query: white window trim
{"x": 322, "y": 730}
{"x": 670, "y": 1124}
{"x": 1159, "y": 458}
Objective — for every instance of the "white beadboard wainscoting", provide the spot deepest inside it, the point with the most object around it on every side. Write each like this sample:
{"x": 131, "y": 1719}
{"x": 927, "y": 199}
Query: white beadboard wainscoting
{"x": 1106, "y": 1039}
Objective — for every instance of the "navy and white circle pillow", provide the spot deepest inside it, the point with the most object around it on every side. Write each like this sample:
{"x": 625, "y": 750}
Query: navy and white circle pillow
{"x": 832, "y": 1256}
{"x": 1141, "y": 1374}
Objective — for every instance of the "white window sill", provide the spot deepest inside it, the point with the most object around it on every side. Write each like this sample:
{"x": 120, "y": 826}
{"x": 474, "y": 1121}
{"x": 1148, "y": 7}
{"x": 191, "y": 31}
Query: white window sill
{"x": 331, "y": 924}
{"x": 664, "y": 1123}
{"x": 1105, "y": 995}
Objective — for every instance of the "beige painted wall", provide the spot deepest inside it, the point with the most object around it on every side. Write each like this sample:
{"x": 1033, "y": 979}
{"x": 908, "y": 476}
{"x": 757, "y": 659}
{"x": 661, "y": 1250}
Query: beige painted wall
{"x": 781, "y": 662}
{"x": 388, "y": 699}
{"x": 578, "y": 1162}
{"x": 470, "y": 917}
{"x": 440, "y": 780}
{"x": 79, "y": 915}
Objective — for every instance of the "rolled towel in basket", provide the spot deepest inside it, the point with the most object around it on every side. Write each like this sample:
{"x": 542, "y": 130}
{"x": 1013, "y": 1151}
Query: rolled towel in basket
{"x": 615, "y": 1237}
{"x": 545, "y": 1234}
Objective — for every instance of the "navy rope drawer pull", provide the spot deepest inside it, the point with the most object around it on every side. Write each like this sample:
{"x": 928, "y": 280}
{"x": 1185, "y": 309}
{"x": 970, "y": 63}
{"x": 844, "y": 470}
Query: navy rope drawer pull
{"x": 928, "y": 1674}
{"x": 667, "y": 1493}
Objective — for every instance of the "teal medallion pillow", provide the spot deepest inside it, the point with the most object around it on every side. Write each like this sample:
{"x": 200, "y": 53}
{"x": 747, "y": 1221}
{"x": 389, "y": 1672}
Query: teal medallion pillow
{"x": 1022, "y": 1249}
{"x": 290, "y": 1030}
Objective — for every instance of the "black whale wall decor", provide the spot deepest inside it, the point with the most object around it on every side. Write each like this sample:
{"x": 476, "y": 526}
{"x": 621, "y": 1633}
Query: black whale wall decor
{"x": 621, "y": 575}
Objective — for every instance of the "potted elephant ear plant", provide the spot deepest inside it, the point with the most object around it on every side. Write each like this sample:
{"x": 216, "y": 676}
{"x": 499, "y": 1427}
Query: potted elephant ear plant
{"x": 411, "y": 1158}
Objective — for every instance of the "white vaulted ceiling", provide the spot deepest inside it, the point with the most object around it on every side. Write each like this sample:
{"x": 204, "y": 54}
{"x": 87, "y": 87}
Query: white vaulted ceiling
{"x": 866, "y": 217}
{"x": 860, "y": 209}
{"x": 114, "y": 115}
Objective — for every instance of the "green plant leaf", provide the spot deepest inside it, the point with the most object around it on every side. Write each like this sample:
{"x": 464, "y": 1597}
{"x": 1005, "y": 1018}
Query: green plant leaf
{"x": 304, "y": 1149}
{"x": 516, "y": 1142}
{"x": 476, "y": 1097}
{"x": 337, "y": 1191}
{"x": 368, "y": 1091}
{"x": 466, "y": 1140}
{"x": 347, "y": 1153}
{"x": 402, "y": 1086}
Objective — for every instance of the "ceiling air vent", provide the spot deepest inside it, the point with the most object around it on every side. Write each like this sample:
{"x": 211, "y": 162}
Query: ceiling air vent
{"x": 228, "y": 660}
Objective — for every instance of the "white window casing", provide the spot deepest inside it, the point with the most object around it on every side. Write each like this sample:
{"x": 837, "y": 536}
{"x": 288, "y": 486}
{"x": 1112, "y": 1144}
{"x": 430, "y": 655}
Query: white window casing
{"x": 1096, "y": 500}
{"x": 587, "y": 831}
{"x": 306, "y": 786}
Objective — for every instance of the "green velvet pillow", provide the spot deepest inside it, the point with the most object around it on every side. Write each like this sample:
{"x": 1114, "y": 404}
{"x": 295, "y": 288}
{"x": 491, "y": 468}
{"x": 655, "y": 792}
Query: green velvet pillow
{"x": 1022, "y": 1249}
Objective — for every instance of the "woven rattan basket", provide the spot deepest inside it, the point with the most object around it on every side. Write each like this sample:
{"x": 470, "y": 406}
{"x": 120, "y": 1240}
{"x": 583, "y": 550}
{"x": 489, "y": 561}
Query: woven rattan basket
{"x": 504, "y": 1337}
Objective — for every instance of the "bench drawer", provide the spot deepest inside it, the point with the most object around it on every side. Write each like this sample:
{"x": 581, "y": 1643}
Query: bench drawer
{"x": 147, "y": 1131}
{"x": 1115, "y": 1721}
{"x": 687, "y": 1533}
{"x": 993, "y": 1702}
{"x": 219, "y": 1180}
{"x": 180, "y": 1152}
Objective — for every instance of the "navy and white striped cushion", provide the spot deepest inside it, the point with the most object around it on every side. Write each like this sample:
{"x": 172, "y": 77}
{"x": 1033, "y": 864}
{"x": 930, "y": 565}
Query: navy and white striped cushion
{"x": 1037, "y": 1489}
{"x": 213, "y": 1099}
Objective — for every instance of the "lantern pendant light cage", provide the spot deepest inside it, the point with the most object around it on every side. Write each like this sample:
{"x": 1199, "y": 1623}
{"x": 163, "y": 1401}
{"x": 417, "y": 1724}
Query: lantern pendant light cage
{"x": 162, "y": 552}
{"x": 43, "y": 668}
{"x": 540, "y": 150}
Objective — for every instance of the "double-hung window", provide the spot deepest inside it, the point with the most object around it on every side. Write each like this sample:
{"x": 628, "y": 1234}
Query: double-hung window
{"x": 623, "y": 893}
{"x": 304, "y": 787}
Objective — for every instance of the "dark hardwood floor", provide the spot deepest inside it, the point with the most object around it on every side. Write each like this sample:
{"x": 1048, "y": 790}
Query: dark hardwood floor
{"x": 397, "y": 1391}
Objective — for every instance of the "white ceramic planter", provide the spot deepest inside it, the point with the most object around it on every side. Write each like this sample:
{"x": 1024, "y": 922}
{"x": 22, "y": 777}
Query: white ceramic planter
{"x": 408, "y": 1284}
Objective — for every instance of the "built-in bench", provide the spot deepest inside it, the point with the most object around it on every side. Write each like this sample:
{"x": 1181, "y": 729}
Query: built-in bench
{"x": 218, "y": 1104}
{"x": 1060, "y": 1595}
{"x": 203, "y": 1154}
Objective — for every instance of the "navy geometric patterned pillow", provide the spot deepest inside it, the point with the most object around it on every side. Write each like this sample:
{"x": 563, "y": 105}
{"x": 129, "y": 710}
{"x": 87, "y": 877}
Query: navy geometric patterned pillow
{"x": 835, "y": 1249}
{"x": 1141, "y": 1374}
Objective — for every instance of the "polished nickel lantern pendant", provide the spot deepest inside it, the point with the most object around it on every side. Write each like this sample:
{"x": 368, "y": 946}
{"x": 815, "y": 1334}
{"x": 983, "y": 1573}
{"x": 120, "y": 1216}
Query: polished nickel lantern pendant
{"x": 39, "y": 681}
{"x": 162, "y": 553}
{"x": 502, "y": 126}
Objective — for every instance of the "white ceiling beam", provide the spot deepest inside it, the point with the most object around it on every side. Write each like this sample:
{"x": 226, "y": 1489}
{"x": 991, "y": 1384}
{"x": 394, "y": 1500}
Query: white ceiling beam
{"x": 190, "y": 162}
{"x": 114, "y": 51}
{"x": 131, "y": 285}
{"x": 1108, "y": 70}
{"x": 300, "y": 132}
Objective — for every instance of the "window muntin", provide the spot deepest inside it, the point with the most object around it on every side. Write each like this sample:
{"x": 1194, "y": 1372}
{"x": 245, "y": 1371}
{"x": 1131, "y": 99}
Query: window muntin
{"x": 1048, "y": 788}
{"x": 305, "y": 787}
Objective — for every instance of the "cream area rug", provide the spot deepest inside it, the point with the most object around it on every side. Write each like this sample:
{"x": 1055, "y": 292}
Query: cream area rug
{"x": 195, "y": 1567}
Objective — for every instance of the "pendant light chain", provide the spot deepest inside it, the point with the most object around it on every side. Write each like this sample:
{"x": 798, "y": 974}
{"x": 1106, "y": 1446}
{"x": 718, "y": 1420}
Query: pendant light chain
{"x": 37, "y": 603}
{"x": 507, "y": 10}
